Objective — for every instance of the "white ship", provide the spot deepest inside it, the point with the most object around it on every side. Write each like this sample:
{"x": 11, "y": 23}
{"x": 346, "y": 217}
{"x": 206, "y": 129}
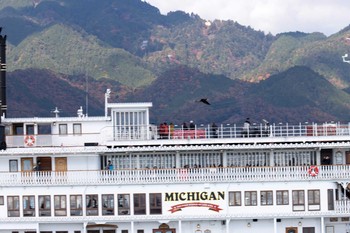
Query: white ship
{"x": 120, "y": 174}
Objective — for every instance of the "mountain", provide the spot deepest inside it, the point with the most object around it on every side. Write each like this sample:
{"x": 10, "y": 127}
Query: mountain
{"x": 303, "y": 95}
{"x": 30, "y": 97}
{"x": 64, "y": 50}
{"x": 172, "y": 60}
{"x": 223, "y": 47}
{"x": 296, "y": 95}
{"x": 176, "y": 92}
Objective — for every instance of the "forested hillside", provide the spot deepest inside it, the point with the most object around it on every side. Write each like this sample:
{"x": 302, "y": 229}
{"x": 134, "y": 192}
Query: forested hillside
{"x": 171, "y": 60}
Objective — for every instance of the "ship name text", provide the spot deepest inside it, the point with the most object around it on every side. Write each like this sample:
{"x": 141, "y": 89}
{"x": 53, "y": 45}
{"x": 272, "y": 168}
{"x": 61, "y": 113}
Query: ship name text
{"x": 195, "y": 196}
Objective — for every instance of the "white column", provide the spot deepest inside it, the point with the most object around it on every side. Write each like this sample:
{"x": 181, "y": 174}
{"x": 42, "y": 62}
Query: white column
{"x": 180, "y": 226}
{"x": 132, "y": 227}
{"x": 275, "y": 225}
{"x": 228, "y": 226}
{"x": 224, "y": 159}
{"x": 177, "y": 160}
{"x": 318, "y": 157}
{"x": 272, "y": 161}
{"x": 84, "y": 229}
{"x": 322, "y": 225}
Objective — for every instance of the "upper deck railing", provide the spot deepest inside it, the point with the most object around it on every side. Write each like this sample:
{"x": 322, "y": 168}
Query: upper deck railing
{"x": 167, "y": 176}
{"x": 254, "y": 130}
{"x": 223, "y": 131}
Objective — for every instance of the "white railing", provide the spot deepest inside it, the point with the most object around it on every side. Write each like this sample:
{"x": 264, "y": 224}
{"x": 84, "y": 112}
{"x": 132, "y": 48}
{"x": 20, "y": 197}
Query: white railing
{"x": 255, "y": 130}
{"x": 342, "y": 206}
{"x": 195, "y": 175}
{"x": 175, "y": 133}
{"x": 166, "y": 217}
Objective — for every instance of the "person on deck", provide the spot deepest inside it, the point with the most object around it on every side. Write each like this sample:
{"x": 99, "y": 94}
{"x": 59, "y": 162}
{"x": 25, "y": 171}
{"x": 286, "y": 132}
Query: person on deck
{"x": 171, "y": 128}
{"x": 192, "y": 126}
{"x": 165, "y": 131}
{"x": 110, "y": 165}
{"x": 184, "y": 126}
{"x": 214, "y": 130}
{"x": 246, "y": 127}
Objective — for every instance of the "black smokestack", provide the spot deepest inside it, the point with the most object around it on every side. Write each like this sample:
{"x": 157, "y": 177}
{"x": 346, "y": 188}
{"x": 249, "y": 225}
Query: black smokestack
{"x": 3, "y": 103}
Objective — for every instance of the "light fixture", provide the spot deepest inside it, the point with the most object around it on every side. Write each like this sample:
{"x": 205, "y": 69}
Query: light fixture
{"x": 299, "y": 223}
{"x": 248, "y": 224}
{"x": 198, "y": 230}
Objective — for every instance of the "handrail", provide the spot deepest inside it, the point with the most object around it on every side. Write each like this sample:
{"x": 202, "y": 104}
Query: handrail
{"x": 123, "y": 133}
{"x": 163, "y": 176}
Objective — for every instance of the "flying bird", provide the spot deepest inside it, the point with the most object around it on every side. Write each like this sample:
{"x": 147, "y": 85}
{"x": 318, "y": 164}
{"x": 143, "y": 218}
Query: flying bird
{"x": 204, "y": 101}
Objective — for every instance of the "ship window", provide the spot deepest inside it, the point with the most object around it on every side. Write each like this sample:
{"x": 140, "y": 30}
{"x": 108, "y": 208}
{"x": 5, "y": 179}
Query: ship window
{"x": 123, "y": 204}
{"x": 250, "y": 198}
{"x": 28, "y": 206}
{"x": 282, "y": 197}
{"x": 13, "y": 206}
{"x": 312, "y": 230}
{"x": 139, "y": 203}
{"x": 266, "y": 198}
{"x": 298, "y": 197}
{"x": 235, "y": 198}
{"x": 77, "y": 129}
{"x": 44, "y": 129}
{"x": 314, "y": 199}
{"x": 13, "y": 166}
{"x": 155, "y": 203}
{"x": 107, "y": 204}
{"x": 45, "y": 205}
{"x": 63, "y": 129}
{"x": 76, "y": 205}
{"x": 18, "y": 129}
{"x": 60, "y": 205}
{"x": 298, "y": 200}
{"x": 29, "y": 129}
{"x": 91, "y": 205}
{"x": 330, "y": 199}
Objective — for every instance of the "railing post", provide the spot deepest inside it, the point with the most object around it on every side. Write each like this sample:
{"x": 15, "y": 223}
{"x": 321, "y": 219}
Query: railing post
{"x": 222, "y": 128}
{"x": 235, "y": 130}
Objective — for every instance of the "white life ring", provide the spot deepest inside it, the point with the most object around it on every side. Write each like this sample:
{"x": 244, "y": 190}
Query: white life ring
{"x": 29, "y": 140}
{"x": 313, "y": 170}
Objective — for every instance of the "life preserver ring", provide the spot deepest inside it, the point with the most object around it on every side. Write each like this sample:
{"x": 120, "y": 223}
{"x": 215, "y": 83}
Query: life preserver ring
{"x": 313, "y": 171}
{"x": 29, "y": 140}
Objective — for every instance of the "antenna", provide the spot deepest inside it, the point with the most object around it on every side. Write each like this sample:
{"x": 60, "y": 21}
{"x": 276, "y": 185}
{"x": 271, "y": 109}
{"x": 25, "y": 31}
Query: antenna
{"x": 87, "y": 93}
{"x": 56, "y": 111}
{"x": 107, "y": 96}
